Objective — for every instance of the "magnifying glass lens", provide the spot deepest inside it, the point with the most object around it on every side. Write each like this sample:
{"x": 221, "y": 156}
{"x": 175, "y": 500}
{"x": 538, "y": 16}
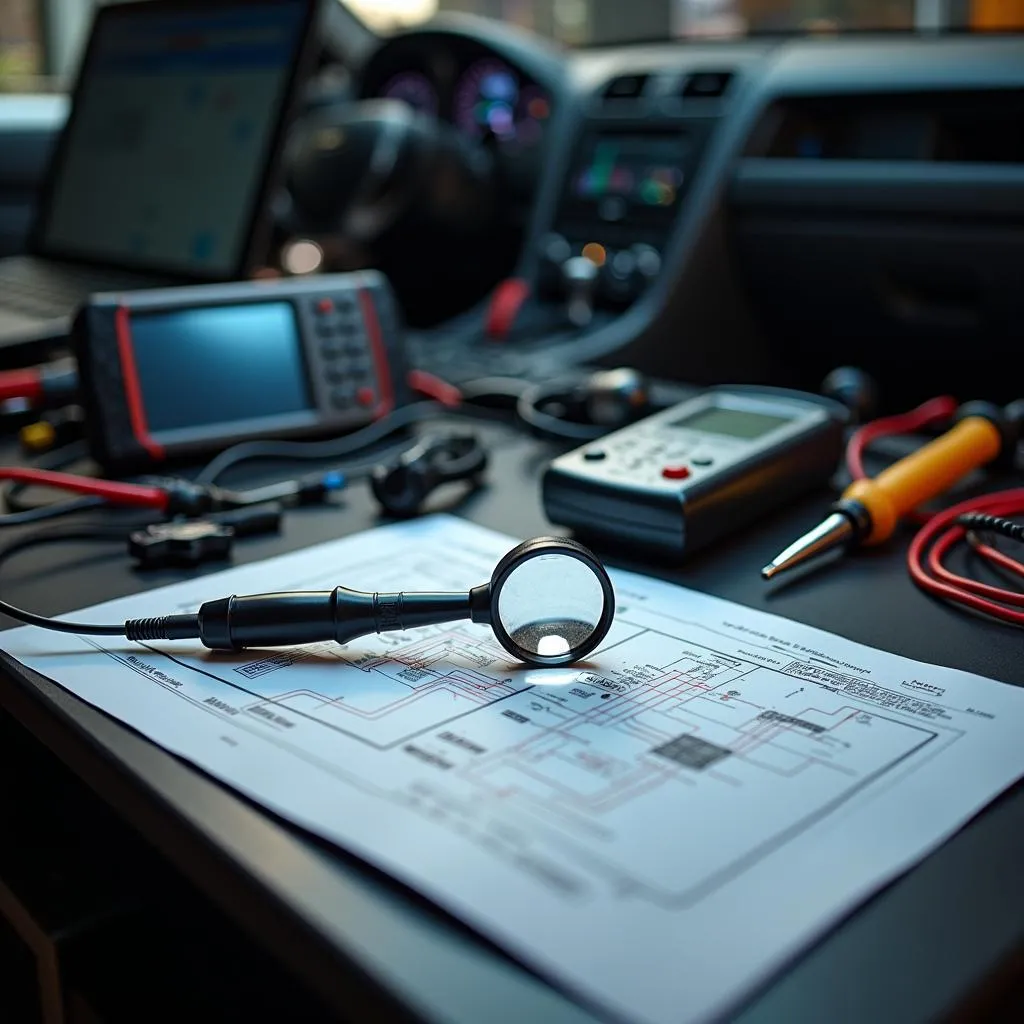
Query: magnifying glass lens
{"x": 551, "y": 605}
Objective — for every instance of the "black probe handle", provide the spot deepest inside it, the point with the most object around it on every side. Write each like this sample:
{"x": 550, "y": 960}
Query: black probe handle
{"x": 303, "y": 617}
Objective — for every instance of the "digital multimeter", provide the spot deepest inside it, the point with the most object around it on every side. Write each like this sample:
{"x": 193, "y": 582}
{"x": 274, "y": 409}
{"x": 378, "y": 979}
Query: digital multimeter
{"x": 684, "y": 477}
{"x": 183, "y": 372}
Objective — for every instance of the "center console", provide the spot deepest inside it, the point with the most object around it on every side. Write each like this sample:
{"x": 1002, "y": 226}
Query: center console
{"x": 619, "y": 204}
{"x": 632, "y": 165}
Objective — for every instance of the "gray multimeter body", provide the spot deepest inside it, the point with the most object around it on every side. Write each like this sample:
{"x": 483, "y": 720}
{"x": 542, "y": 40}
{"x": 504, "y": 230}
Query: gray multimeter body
{"x": 686, "y": 476}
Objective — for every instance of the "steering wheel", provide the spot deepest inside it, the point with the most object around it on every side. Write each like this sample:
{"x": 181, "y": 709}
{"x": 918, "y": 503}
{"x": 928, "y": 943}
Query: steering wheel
{"x": 359, "y": 172}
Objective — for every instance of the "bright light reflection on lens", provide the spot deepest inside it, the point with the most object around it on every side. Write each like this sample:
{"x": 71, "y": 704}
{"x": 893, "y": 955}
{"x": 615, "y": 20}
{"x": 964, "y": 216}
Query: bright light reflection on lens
{"x": 551, "y": 604}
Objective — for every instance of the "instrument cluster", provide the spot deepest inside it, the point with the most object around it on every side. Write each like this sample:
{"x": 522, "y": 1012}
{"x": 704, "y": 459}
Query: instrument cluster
{"x": 466, "y": 84}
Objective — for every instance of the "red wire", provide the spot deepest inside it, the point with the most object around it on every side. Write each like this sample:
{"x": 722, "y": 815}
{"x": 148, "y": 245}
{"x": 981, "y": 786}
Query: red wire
{"x": 21, "y": 384}
{"x": 939, "y": 533}
{"x": 133, "y": 495}
{"x": 996, "y": 556}
{"x": 435, "y": 388}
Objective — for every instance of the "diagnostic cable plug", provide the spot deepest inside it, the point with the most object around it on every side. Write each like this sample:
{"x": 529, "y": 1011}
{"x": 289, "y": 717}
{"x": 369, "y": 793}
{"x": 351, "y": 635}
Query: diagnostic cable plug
{"x": 185, "y": 498}
{"x": 188, "y": 542}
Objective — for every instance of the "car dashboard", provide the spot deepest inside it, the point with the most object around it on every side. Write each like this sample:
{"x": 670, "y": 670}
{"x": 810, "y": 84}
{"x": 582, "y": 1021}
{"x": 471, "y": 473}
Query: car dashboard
{"x": 750, "y": 203}
{"x": 494, "y": 94}
{"x": 756, "y": 209}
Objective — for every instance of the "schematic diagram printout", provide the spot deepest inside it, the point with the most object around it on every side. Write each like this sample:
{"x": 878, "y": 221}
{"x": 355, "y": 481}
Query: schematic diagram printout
{"x": 656, "y": 830}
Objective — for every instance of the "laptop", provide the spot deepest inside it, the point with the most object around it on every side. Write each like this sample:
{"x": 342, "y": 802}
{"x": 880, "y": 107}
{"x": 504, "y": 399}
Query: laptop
{"x": 163, "y": 172}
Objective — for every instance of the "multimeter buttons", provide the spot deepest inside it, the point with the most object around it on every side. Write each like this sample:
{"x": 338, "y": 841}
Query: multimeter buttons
{"x": 343, "y": 345}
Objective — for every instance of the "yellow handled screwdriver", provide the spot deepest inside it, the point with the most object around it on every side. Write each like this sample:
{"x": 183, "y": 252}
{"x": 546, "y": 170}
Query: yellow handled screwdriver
{"x": 869, "y": 510}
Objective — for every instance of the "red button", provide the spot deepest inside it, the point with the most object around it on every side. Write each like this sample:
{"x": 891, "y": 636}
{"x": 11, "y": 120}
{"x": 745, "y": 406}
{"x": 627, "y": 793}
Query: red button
{"x": 675, "y": 472}
{"x": 365, "y": 396}
{"x": 325, "y": 305}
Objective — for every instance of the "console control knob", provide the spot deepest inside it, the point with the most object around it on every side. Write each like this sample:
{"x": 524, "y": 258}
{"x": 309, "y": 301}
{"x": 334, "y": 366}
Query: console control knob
{"x": 630, "y": 271}
{"x": 619, "y": 272}
{"x": 579, "y": 276}
{"x": 648, "y": 261}
{"x": 554, "y": 251}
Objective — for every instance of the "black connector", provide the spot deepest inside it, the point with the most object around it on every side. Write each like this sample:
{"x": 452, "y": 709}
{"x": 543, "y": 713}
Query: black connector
{"x": 185, "y": 498}
{"x": 283, "y": 620}
{"x": 194, "y": 541}
{"x": 163, "y": 627}
{"x": 992, "y": 524}
{"x": 251, "y": 521}
{"x": 401, "y": 487}
{"x": 189, "y": 542}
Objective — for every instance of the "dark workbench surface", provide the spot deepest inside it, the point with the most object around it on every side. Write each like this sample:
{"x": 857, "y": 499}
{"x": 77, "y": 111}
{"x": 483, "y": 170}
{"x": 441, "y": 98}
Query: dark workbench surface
{"x": 368, "y": 946}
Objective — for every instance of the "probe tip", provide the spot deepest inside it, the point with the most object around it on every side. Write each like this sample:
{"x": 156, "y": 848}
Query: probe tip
{"x": 836, "y": 531}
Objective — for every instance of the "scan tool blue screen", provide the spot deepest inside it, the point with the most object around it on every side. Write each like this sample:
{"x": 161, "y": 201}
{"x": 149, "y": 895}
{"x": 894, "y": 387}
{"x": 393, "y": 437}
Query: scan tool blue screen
{"x": 172, "y": 129}
{"x": 200, "y": 367}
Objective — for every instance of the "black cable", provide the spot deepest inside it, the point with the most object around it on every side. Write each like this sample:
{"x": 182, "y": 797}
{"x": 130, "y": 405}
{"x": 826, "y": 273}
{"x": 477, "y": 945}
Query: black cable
{"x": 60, "y": 458}
{"x": 333, "y": 448}
{"x": 20, "y": 513}
{"x": 529, "y": 411}
{"x": 992, "y": 524}
{"x": 483, "y": 388}
{"x": 162, "y": 627}
{"x": 40, "y": 513}
{"x": 37, "y": 539}
{"x": 526, "y": 398}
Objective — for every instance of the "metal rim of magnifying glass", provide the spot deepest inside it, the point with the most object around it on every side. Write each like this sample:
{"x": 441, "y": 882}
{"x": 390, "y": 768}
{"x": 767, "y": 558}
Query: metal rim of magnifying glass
{"x": 550, "y": 546}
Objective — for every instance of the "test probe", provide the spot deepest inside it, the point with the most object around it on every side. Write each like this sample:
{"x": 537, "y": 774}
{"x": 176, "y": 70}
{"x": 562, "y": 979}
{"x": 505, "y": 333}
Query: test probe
{"x": 869, "y": 510}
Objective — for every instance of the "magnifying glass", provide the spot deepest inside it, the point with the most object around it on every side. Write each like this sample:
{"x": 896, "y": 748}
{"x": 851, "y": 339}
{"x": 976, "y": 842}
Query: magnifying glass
{"x": 549, "y": 602}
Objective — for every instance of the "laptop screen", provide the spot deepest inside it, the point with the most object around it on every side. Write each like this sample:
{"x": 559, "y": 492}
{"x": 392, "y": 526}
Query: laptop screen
{"x": 174, "y": 121}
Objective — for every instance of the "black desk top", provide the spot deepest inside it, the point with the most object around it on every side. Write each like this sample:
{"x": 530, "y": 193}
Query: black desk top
{"x": 368, "y": 945}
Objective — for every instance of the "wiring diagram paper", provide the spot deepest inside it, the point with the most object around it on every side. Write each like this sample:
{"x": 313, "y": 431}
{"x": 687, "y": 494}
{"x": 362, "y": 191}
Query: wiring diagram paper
{"x": 657, "y": 830}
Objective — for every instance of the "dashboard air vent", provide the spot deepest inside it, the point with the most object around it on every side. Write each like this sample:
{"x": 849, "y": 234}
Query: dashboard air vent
{"x": 705, "y": 85}
{"x": 625, "y": 87}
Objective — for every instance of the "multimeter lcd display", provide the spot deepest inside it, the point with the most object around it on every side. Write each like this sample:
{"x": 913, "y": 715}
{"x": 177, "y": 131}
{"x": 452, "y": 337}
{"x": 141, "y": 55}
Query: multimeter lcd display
{"x": 732, "y": 422}
{"x": 220, "y": 364}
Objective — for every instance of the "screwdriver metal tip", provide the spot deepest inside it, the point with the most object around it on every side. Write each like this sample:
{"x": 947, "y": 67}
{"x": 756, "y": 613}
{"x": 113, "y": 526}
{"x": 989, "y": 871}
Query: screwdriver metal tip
{"x": 836, "y": 531}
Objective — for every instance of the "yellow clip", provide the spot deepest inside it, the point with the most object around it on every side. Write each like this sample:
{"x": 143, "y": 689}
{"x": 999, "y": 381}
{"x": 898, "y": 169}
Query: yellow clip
{"x": 37, "y": 437}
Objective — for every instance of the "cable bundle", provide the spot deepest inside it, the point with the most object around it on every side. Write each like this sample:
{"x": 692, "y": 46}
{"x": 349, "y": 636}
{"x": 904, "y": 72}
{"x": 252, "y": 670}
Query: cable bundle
{"x": 965, "y": 522}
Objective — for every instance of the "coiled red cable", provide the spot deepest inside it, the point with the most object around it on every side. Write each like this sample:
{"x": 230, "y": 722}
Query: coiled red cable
{"x": 940, "y": 532}
{"x": 938, "y": 536}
